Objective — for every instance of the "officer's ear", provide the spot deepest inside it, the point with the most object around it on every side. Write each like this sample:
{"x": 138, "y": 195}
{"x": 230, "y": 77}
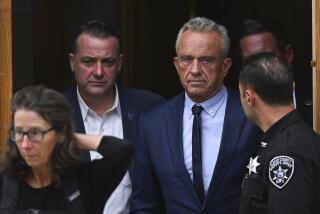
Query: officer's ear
{"x": 250, "y": 96}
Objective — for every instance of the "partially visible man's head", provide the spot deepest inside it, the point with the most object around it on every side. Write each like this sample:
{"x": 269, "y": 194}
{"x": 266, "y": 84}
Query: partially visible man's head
{"x": 202, "y": 48}
{"x": 269, "y": 76}
{"x": 96, "y": 59}
{"x": 264, "y": 36}
{"x": 96, "y": 29}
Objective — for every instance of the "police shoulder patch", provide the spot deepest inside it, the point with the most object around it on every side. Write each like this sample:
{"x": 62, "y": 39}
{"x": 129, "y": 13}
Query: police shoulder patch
{"x": 281, "y": 169}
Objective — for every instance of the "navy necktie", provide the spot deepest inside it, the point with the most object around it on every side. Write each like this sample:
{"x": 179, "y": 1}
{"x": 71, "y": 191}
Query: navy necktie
{"x": 196, "y": 152}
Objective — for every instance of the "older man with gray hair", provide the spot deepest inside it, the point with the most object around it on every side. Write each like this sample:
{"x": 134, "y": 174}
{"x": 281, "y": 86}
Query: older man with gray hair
{"x": 192, "y": 150}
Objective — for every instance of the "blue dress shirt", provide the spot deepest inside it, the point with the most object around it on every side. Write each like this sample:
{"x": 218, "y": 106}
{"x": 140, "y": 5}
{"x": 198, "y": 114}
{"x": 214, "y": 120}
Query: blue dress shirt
{"x": 212, "y": 125}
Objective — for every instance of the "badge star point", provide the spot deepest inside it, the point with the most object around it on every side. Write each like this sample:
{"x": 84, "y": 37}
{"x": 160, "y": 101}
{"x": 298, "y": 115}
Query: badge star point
{"x": 253, "y": 164}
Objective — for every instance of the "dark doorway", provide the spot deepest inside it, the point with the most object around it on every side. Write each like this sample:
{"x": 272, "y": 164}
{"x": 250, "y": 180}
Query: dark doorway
{"x": 293, "y": 15}
{"x": 42, "y": 32}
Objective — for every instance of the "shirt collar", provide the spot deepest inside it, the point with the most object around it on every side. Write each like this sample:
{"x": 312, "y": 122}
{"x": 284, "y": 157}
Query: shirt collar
{"x": 210, "y": 105}
{"x": 85, "y": 109}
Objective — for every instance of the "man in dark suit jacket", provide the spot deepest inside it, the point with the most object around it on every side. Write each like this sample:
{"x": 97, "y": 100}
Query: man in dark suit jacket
{"x": 257, "y": 36}
{"x": 168, "y": 177}
{"x": 100, "y": 106}
{"x": 133, "y": 102}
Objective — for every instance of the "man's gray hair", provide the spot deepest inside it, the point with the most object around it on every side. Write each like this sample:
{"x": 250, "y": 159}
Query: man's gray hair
{"x": 204, "y": 25}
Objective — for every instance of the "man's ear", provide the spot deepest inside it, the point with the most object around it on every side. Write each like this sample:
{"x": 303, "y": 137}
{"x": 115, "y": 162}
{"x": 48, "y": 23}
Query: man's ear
{"x": 71, "y": 61}
{"x": 250, "y": 96}
{"x": 289, "y": 53}
{"x": 120, "y": 62}
{"x": 176, "y": 63}
{"x": 227, "y": 62}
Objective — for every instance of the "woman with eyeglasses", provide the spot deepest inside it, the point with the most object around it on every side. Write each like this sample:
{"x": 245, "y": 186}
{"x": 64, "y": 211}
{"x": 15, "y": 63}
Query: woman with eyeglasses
{"x": 41, "y": 172}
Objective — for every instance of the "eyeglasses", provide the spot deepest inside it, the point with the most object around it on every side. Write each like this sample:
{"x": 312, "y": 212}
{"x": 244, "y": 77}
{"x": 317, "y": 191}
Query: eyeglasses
{"x": 34, "y": 135}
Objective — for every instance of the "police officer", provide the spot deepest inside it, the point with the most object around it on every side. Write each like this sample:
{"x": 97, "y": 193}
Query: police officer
{"x": 284, "y": 175}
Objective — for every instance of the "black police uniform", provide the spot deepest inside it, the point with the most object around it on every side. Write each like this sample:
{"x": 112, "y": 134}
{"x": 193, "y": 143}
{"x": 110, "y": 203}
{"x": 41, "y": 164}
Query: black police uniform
{"x": 284, "y": 177}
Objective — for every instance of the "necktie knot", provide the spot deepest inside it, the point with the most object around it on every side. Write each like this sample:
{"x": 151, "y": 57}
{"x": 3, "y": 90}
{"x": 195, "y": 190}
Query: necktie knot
{"x": 196, "y": 109}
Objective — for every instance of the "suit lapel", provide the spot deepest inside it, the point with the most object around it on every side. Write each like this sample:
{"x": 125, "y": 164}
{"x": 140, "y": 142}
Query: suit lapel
{"x": 175, "y": 142}
{"x": 129, "y": 116}
{"x": 233, "y": 124}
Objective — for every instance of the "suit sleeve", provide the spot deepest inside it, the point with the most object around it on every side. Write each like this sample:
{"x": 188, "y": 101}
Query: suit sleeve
{"x": 146, "y": 193}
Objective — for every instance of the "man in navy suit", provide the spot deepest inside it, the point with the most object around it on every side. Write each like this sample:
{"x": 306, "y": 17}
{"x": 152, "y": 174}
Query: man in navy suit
{"x": 257, "y": 36}
{"x": 100, "y": 106}
{"x": 168, "y": 177}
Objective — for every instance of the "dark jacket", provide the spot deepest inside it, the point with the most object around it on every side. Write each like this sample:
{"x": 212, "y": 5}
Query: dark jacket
{"x": 285, "y": 174}
{"x": 162, "y": 183}
{"x": 132, "y": 102}
{"x": 96, "y": 181}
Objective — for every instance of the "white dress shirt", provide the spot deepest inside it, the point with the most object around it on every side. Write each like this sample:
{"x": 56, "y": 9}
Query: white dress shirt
{"x": 212, "y": 119}
{"x": 109, "y": 124}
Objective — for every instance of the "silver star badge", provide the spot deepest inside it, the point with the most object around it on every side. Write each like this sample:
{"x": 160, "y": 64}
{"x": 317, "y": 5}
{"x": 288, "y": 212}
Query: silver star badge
{"x": 253, "y": 164}
{"x": 263, "y": 144}
{"x": 280, "y": 175}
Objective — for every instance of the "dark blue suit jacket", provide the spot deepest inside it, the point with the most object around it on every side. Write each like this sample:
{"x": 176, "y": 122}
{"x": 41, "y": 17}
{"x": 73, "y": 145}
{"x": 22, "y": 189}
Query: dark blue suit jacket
{"x": 132, "y": 102}
{"x": 162, "y": 183}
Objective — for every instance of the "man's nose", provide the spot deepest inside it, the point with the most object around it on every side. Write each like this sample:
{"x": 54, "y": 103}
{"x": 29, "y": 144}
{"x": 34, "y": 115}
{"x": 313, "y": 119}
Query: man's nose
{"x": 98, "y": 70}
{"x": 195, "y": 66}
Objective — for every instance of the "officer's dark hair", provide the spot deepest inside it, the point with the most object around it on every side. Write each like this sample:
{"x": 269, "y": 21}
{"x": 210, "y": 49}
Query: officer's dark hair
{"x": 251, "y": 27}
{"x": 53, "y": 108}
{"x": 97, "y": 29}
{"x": 269, "y": 76}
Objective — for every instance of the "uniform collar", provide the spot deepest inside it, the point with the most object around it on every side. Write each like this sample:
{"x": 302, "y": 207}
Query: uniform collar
{"x": 280, "y": 125}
